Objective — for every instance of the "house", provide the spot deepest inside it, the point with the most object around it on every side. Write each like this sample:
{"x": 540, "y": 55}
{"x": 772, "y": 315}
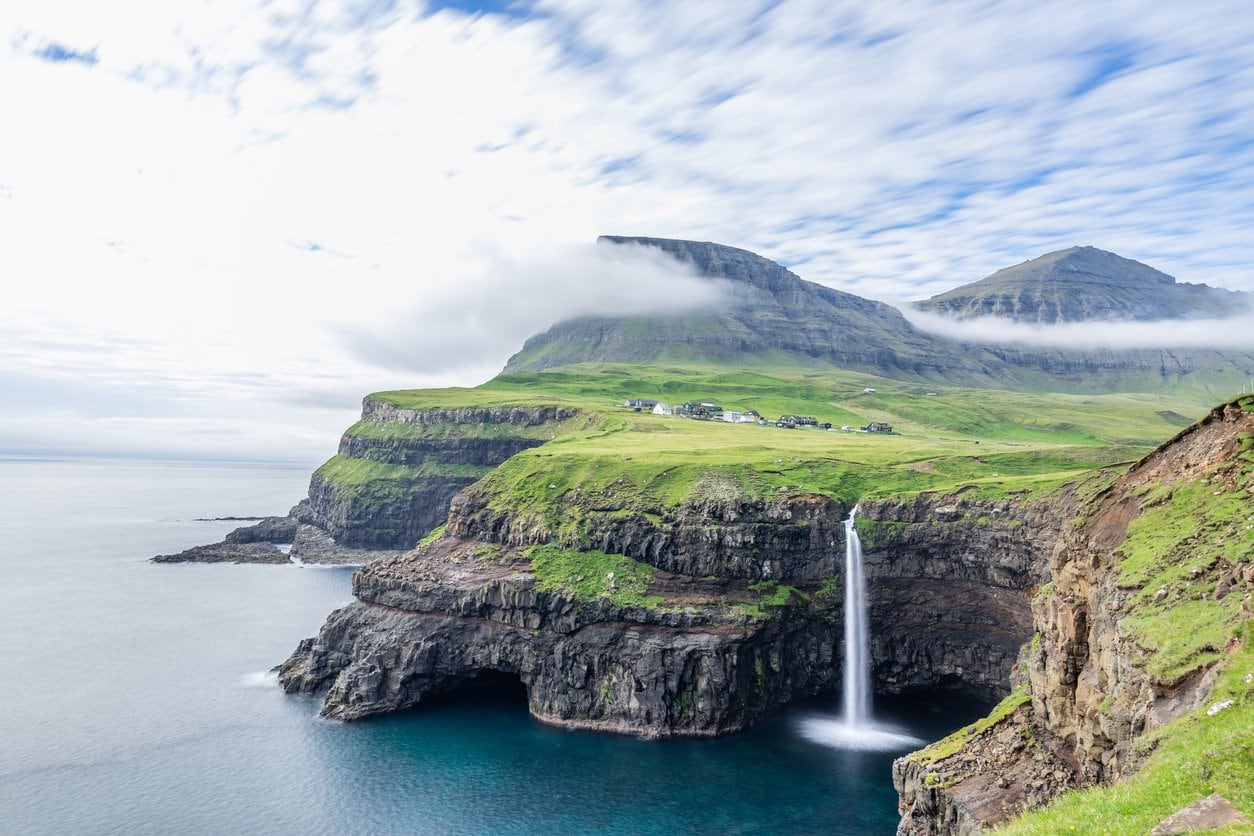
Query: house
{"x": 785, "y": 425}
{"x": 800, "y": 421}
{"x": 699, "y": 409}
{"x": 877, "y": 427}
{"x": 660, "y": 408}
{"x": 735, "y": 416}
{"x": 639, "y": 404}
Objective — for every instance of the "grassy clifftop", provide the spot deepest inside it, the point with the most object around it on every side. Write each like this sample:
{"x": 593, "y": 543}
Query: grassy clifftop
{"x": 944, "y": 438}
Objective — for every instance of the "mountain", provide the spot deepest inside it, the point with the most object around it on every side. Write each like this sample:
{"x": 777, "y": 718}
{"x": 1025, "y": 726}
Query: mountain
{"x": 1085, "y": 283}
{"x": 771, "y": 317}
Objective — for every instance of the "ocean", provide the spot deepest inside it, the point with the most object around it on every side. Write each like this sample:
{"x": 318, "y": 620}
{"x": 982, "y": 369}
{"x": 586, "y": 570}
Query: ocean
{"x": 139, "y": 698}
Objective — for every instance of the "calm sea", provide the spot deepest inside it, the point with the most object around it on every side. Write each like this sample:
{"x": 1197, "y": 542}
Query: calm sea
{"x": 136, "y": 698}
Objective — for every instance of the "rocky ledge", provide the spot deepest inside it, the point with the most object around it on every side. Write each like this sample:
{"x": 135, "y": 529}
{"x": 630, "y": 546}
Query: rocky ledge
{"x": 694, "y": 657}
{"x": 721, "y": 611}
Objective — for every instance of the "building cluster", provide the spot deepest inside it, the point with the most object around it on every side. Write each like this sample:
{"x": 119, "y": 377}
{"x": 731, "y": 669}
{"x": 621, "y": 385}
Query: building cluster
{"x": 704, "y": 411}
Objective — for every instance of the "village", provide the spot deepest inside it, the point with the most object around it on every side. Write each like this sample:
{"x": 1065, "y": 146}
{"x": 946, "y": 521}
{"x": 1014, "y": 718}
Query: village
{"x": 704, "y": 411}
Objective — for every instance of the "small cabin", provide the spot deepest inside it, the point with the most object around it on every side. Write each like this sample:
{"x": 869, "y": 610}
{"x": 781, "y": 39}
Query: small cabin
{"x": 660, "y": 408}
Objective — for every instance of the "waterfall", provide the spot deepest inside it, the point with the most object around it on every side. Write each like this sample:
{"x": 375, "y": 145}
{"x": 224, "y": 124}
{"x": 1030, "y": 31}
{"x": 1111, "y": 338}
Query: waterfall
{"x": 857, "y": 696}
{"x": 855, "y": 729}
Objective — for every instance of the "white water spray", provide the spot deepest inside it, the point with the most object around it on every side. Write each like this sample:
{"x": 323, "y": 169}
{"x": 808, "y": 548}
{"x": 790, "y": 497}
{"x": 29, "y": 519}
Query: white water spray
{"x": 855, "y": 729}
{"x": 857, "y": 708}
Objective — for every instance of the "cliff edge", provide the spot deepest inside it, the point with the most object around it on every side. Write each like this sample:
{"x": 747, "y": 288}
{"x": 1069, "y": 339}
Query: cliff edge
{"x": 1138, "y": 677}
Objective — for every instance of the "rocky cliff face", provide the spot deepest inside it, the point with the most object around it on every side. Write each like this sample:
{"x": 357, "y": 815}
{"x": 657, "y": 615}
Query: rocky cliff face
{"x": 950, "y": 579}
{"x": 793, "y": 539}
{"x": 397, "y": 469}
{"x": 715, "y": 640}
{"x": 691, "y": 662}
{"x": 1149, "y": 594}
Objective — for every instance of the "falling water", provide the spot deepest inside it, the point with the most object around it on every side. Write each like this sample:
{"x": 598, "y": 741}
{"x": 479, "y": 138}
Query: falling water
{"x": 857, "y": 708}
{"x": 855, "y": 729}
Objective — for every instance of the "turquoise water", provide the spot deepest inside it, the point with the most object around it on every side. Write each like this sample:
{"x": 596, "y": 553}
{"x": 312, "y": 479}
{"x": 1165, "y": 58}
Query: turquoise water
{"x": 136, "y": 699}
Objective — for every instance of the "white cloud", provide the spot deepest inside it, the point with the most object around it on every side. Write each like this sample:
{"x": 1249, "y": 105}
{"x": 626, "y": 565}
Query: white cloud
{"x": 473, "y": 325}
{"x": 235, "y": 183}
{"x": 1235, "y": 332}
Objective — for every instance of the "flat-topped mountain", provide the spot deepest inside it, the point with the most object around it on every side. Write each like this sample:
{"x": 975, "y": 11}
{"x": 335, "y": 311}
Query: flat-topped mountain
{"x": 1085, "y": 283}
{"x": 773, "y": 318}
{"x": 770, "y": 316}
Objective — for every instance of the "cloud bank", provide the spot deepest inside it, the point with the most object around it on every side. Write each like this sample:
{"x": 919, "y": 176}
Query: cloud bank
{"x": 1235, "y": 332}
{"x": 475, "y": 324}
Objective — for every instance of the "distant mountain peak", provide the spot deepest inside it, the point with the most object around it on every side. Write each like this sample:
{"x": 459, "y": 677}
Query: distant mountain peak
{"x": 1081, "y": 284}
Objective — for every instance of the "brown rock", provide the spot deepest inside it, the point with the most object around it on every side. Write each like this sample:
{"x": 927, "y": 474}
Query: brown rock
{"x": 1210, "y": 813}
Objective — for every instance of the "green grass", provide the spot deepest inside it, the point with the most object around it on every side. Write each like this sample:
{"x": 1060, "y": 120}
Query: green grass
{"x": 1195, "y": 756}
{"x": 1173, "y": 556}
{"x": 586, "y": 575}
{"x": 435, "y": 534}
{"x": 399, "y": 431}
{"x": 772, "y": 595}
{"x": 948, "y": 746}
{"x": 610, "y": 461}
{"x": 350, "y": 474}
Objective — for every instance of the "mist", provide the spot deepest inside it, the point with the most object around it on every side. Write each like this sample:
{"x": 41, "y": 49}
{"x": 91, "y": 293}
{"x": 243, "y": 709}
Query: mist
{"x": 1234, "y": 332}
{"x": 475, "y": 324}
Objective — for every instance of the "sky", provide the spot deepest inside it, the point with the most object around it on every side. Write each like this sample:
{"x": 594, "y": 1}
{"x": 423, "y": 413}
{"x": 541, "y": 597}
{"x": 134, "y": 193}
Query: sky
{"x": 222, "y": 223}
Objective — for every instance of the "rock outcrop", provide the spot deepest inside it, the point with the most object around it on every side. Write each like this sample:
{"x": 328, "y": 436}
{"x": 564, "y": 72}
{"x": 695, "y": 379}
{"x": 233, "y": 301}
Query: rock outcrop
{"x": 692, "y": 662}
{"x": 256, "y": 543}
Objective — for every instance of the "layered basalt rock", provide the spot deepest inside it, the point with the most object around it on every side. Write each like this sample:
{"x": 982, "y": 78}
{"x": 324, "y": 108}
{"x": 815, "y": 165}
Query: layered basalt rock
{"x": 397, "y": 469}
{"x": 797, "y": 538}
{"x": 1089, "y": 690}
{"x": 704, "y": 657}
{"x": 950, "y": 579}
{"x": 693, "y": 665}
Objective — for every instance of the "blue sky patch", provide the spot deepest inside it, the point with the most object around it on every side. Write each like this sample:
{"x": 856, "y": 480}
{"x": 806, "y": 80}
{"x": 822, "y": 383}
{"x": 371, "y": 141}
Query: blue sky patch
{"x": 60, "y": 54}
{"x": 508, "y": 8}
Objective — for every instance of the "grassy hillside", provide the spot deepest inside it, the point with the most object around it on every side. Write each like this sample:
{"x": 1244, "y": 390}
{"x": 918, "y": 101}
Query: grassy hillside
{"x": 1172, "y": 559}
{"x": 943, "y": 437}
